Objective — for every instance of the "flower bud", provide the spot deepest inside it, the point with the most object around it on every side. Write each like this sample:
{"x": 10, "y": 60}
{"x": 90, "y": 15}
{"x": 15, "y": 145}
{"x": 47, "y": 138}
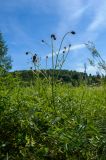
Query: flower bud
{"x": 72, "y": 32}
{"x": 53, "y": 36}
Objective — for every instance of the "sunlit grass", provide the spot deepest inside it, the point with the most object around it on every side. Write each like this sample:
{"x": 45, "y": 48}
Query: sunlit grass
{"x": 31, "y": 129}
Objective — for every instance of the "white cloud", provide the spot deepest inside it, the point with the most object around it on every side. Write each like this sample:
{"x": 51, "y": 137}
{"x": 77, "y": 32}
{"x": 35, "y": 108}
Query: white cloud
{"x": 90, "y": 69}
{"x": 81, "y": 11}
{"x": 77, "y": 46}
{"x": 74, "y": 47}
{"x": 99, "y": 20}
{"x": 70, "y": 13}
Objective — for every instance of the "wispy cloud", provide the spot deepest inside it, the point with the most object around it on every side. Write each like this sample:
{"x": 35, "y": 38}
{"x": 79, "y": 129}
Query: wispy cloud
{"x": 99, "y": 20}
{"x": 74, "y": 47}
{"x": 70, "y": 12}
{"x": 80, "y": 12}
{"x": 90, "y": 69}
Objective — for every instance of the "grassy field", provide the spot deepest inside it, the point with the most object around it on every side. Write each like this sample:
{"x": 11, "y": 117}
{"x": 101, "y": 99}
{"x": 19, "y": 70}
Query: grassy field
{"x": 33, "y": 127}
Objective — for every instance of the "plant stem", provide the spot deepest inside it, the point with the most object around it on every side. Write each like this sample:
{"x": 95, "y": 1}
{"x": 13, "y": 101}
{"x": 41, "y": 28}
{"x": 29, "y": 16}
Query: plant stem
{"x": 7, "y": 156}
{"x": 52, "y": 74}
{"x": 60, "y": 48}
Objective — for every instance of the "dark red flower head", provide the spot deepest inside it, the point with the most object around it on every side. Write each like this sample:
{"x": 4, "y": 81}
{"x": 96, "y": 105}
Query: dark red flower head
{"x": 53, "y": 36}
{"x": 27, "y": 53}
{"x": 34, "y": 58}
{"x": 43, "y": 41}
{"x": 72, "y": 32}
{"x": 69, "y": 45}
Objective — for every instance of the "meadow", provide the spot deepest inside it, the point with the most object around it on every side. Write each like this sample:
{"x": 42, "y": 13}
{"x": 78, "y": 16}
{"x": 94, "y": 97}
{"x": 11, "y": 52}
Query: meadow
{"x": 36, "y": 125}
{"x": 52, "y": 114}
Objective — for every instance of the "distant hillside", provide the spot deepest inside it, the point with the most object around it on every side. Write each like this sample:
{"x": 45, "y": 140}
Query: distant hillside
{"x": 73, "y": 77}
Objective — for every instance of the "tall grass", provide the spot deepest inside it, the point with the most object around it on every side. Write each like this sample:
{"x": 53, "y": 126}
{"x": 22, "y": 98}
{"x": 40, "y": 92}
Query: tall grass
{"x": 30, "y": 130}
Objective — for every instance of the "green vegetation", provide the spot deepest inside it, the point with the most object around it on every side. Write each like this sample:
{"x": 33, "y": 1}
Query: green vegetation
{"x": 52, "y": 114}
{"x": 73, "y": 78}
{"x": 5, "y": 60}
{"x": 30, "y": 128}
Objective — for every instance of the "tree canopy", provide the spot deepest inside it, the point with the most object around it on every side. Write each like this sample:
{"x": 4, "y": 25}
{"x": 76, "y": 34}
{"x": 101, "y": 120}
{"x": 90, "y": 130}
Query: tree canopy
{"x": 5, "y": 60}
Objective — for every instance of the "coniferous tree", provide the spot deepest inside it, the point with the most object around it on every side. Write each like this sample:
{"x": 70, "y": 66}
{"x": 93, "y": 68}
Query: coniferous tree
{"x": 5, "y": 60}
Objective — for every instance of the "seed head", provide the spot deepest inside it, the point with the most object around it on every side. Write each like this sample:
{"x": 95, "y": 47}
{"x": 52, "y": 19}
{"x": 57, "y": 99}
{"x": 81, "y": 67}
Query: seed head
{"x": 69, "y": 45}
{"x": 53, "y": 37}
{"x": 27, "y": 53}
{"x": 34, "y": 58}
{"x": 72, "y": 32}
{"x": 43, "y": 41}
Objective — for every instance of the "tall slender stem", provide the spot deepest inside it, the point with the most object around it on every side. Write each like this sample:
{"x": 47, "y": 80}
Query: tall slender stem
{"x": 7, "y": 156}
{"x": 63, "y": 62}
{"x": 60, "y": 48}
{"x": 52, "y": 72}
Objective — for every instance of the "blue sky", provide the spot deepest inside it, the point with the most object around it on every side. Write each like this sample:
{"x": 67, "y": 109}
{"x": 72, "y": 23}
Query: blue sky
{"x": 24, "y": 23}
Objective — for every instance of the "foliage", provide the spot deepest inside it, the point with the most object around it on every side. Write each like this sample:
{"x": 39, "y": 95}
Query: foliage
{"x": 29, "y": 129}
{"x": 5, "y": 60}
{"x": 74, "y": 78}
{"x": 97, "y": 59}
{"x": 44, "y": 118}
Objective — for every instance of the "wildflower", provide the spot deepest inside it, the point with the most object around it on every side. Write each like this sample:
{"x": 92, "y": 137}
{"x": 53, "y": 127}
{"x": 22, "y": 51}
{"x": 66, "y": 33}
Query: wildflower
{"x": 72, "y": 32}
{"x": 69, "y": 45}
{"x": 43, "y": 41}
{"x": 27, "y": 53}
{"x": 34, "y": 58}
{"x": 53, "y": 36}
